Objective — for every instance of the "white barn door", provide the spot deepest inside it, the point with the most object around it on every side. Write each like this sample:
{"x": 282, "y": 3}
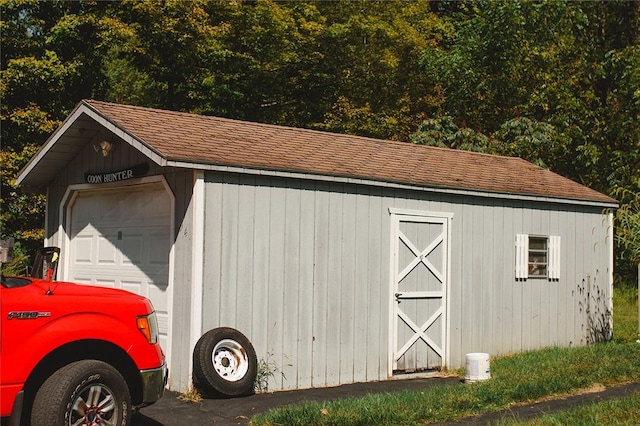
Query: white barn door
{"x": 419, "y": 288}
{"x": 121, "y": 238}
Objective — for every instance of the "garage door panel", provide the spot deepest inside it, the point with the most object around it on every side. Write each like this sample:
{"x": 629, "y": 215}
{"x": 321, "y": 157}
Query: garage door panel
{"x": 132, "y": 248}
{"x": 107, "y": 252}
{"x": 81, "y": 279}
{"x": 121, "y": 239}
{"x": 159, "y": 250}
{"x": 106, "y": 283}
{"x": 135, "y": 287}
{"x": 84, "y": 248}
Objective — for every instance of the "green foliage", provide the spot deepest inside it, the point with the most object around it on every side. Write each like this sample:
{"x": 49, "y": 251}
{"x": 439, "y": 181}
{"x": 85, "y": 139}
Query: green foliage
{"x": 554, "y": 82}
{"x": 535, "y": 141}
{"x": 628, "y": 236}
{"x": 372, "y": 49}
{"x": 444, "y": 133}
{"x": 267, "y": 369}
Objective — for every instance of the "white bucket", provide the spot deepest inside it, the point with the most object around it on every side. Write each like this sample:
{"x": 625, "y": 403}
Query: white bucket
{"x": 477, "y": 367}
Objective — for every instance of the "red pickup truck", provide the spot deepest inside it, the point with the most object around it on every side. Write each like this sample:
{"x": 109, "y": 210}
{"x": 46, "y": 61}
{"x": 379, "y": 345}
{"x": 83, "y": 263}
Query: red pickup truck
{"x": 75, "y": 354}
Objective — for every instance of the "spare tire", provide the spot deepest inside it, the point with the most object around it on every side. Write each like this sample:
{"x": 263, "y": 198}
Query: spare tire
{"x": 224, "y": 363}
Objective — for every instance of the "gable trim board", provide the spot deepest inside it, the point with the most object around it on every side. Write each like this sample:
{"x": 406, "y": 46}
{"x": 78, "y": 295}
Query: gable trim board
{"x": 197, "y": 279}
{"x": 288, "y": 235}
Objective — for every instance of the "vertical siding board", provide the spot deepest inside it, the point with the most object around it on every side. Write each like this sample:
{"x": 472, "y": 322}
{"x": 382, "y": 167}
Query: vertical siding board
{"x": 477, "y": 279}
{"x": 456, "y": 285}
{"x": 304, "y": 360}
{"x": 466, "y": 296}
{"x": 321, "y": 287}
{"x": 260, "y": 277}
{"x": 244, "y": 273}
{"x": 376, "y": 288}
{"x": 334, "y": 303}
{"x": 579, "y": 306}
{"x": 496, "y": 240}
{"x": 571, "y": 286}
{"x": 348, "y": 286}
{"x": 364, "y": 238}
{"x": 276, "y": 297}
{"x": 292, "y": 257}
{"x": 562, "y": 285}
{"x": 212, "y": 253}
{"x": 490, "y": 284}
{"x": 509, "y": 278}
{"x": 230, "y": 250}
{"x": 517, "y": 286}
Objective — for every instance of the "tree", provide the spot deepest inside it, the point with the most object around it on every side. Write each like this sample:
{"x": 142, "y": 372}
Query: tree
{"x": 551, "y": 62}
{"x": 443, "y": 132}
{"x": 49, "y": 61}
{"x": 372, "y": 49}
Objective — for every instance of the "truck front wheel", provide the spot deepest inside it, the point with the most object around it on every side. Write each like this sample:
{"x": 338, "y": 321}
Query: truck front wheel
{"x": 224, "y": 363}
{"x": 86, "y": 392}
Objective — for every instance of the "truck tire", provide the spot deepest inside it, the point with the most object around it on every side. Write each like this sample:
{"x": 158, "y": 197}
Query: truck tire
{"x": 224, "y": 363}
{"x": 86, "y": 392}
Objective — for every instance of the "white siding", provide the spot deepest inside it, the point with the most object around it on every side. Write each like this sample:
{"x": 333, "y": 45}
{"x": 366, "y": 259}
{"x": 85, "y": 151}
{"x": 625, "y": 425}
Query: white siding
{"x": 302, "y": 269}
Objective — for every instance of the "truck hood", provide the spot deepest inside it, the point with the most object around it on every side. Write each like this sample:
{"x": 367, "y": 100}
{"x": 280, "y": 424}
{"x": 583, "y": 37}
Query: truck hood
{"x": 62, "y": 288}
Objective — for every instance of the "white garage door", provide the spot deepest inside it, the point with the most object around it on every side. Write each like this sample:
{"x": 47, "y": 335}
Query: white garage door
{"x": 121, "y": 238}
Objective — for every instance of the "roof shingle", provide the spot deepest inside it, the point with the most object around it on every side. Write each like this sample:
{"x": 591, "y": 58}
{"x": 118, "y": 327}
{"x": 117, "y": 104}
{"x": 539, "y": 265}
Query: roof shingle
{"x": 206, "y": 140}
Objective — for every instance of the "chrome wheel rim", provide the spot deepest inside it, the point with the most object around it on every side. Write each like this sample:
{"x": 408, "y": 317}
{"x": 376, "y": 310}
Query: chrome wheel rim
{"x": 230, "y": 360}
{"x": 94, "y": 405}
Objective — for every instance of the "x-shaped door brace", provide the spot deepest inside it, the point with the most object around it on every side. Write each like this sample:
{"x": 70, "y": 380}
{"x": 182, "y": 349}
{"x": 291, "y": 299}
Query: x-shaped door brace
{"x": 420, "y": 256}
{"x": 419, "y": 333}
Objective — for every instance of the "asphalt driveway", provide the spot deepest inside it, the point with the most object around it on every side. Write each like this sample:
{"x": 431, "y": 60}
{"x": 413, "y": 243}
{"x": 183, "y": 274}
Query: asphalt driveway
{"x": 171, "y": 411}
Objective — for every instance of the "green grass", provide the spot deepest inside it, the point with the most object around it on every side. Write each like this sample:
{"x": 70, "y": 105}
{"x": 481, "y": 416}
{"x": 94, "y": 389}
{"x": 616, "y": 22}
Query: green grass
{"x": 520, "y": 378}
{"x": 625, "y": 314}
{"x": 624, "y": 411}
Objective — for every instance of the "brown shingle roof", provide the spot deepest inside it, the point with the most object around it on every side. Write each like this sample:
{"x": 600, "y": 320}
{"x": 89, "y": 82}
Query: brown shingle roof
{"x": 198, "y": 139}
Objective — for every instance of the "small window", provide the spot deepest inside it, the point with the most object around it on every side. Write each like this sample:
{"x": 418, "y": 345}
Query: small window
{"x": 537, "y": 257}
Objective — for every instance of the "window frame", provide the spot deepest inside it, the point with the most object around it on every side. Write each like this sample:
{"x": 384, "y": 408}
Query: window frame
{"x": 537, "y": 253}
{"x": 524, "y": 252}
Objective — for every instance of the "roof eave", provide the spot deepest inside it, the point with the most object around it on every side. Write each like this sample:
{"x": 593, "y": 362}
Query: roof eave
{"x": 22, "y": 178}
{"x": 182, "y": 163}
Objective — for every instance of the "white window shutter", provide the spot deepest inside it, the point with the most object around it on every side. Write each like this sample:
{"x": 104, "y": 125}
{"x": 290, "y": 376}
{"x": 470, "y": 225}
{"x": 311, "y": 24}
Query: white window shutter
{"x": 522, "y": 256}
{"x": 554, "y": 257}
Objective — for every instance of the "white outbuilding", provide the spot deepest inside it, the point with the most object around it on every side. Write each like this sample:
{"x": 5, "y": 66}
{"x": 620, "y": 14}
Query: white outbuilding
{"x": 341, "y": 258}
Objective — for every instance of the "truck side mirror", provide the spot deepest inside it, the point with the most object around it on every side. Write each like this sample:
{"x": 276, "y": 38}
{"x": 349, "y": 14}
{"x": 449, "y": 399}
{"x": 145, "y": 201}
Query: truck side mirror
{"x": 45, "y": 265}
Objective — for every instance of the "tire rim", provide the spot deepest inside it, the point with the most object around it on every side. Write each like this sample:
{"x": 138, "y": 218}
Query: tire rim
{"x": 94, "y": 405}
{"x": 230, "y": 360}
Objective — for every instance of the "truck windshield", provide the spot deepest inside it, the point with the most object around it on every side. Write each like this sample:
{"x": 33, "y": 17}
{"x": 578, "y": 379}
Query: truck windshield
{"x": 13, "y": 282}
